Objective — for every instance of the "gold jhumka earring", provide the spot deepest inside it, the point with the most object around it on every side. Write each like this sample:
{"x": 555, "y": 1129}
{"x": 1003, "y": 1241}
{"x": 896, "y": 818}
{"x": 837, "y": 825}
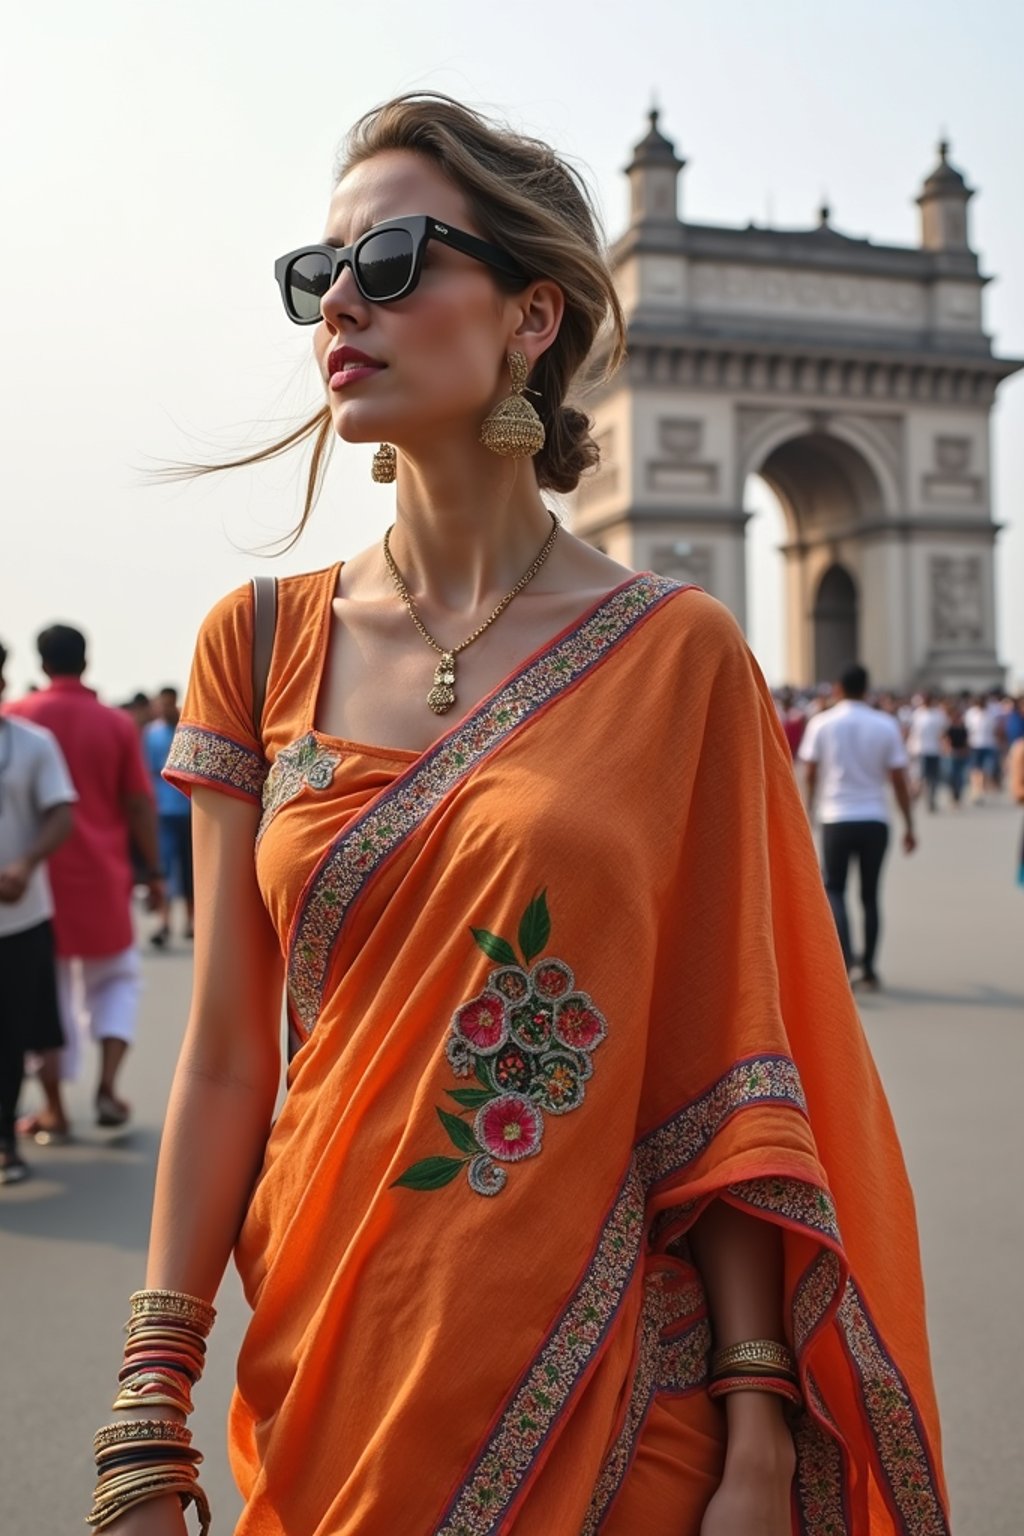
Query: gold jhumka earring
{"x": 513, "y": 428}
{"x": 385, "y": 465}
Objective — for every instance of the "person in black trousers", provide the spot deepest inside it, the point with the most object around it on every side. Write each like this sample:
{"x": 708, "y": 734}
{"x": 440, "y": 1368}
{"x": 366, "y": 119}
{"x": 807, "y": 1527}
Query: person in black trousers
{"x": 852, "y": 754}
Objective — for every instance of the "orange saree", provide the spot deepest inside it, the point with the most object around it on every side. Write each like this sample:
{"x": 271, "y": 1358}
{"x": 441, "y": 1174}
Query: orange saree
{"x": 557, "y": 982}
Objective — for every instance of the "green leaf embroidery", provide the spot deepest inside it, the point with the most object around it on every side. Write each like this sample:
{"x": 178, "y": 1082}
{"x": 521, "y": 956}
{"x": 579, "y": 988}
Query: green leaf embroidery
{"x": 493, "y": 947}
{"x": 470, "y": 1098}
{"x": 460, "y": 1132}
{"x": 431, "y": 1173}
{"x": 535, "y": 928}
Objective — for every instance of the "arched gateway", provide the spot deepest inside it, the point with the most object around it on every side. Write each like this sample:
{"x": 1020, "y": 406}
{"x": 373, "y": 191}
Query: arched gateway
{"x": 855, "y": 379}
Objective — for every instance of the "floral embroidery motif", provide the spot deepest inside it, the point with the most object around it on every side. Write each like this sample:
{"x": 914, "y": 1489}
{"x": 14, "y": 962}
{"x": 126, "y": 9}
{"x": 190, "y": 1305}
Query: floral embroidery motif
{"x": 305, "y": 763}
{"x": 204, "y": 756}
{"x": 672, "y": 1357}
{"x": 372, "y": 837}
{"x": 481, "y": 1503}
{"x": 527, "y": 1037}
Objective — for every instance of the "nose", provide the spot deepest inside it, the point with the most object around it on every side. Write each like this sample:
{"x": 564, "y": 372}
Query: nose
{"x": 343, "y": 303}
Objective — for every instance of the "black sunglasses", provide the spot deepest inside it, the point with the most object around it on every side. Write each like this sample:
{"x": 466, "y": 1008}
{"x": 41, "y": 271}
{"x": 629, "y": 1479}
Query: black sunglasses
{"x": 386, "y": 263}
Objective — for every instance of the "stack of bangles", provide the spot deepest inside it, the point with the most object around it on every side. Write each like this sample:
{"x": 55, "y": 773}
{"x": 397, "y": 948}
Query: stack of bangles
{"x": 758, "y": 1365}
{"x": 138, "y": 1459}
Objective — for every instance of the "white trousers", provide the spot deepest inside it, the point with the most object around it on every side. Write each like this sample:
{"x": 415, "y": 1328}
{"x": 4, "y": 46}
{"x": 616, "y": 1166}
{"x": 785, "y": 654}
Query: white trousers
{"x": 97, "y": 999}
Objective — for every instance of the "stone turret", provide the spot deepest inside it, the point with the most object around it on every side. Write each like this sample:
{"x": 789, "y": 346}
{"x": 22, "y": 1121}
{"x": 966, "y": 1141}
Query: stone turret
{"x": 653, "y": 178}
{"x": 943, "y": 204}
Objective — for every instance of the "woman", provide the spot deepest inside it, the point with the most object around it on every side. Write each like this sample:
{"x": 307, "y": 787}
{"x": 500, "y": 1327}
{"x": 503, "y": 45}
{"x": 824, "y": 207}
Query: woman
{"x": 580, "y": 1110}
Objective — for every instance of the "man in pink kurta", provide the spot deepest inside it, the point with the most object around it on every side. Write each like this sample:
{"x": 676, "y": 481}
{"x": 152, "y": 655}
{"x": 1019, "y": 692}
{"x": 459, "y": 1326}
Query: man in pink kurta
{"x": 98, "y": 968}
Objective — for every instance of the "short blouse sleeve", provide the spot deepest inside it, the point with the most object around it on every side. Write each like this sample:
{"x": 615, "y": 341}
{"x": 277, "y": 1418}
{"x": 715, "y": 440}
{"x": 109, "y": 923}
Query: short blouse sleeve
{"x": 215, "y": 744}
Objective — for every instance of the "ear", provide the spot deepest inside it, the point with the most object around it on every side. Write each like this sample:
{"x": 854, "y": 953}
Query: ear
{"x": 538, "y": 316}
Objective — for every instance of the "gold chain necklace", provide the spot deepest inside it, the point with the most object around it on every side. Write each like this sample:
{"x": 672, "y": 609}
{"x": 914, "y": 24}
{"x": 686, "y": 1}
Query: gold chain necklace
{"x": 442, "y": 695}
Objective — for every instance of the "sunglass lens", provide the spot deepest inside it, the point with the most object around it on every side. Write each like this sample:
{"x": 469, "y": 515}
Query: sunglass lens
{"x": 309, "y": 278}
{"x": 385, "y": 264}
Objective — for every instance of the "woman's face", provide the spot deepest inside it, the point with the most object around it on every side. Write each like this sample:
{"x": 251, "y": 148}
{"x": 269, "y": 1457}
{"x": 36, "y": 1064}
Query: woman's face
{"x": 440, "y": 351}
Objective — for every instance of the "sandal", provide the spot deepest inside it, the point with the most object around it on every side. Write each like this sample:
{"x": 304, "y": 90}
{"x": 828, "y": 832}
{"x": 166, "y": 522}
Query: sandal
{"x": 44, "y": 1133}
{"x": 111, "y": 1111}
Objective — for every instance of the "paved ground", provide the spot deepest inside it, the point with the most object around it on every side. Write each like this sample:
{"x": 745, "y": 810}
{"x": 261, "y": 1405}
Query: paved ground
{"x": 949, "y": 1037}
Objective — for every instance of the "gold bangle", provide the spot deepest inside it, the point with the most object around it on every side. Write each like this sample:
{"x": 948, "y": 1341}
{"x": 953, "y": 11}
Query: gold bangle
{"x": 141, "y": 1429}
{"x": 755, "y": 1352}
{"x": 174, "y": 1304}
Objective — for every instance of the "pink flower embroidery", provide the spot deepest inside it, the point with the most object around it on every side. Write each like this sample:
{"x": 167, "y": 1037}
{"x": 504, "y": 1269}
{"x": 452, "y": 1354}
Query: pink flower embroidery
{"x": 578, "y": 1024}
{"x": 483, "y": 1022}
{"x": 552, "y": 979}
{"x": 527, "y": 1039}
{"x": 509, "y": 1128}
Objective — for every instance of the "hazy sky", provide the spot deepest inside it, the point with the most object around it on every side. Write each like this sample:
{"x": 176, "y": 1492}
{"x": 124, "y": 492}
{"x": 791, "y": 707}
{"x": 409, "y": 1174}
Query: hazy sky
{"x": 161, "y": 155}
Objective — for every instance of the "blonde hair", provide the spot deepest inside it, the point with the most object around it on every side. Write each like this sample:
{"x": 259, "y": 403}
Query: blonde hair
{"x": 527, "y": 200}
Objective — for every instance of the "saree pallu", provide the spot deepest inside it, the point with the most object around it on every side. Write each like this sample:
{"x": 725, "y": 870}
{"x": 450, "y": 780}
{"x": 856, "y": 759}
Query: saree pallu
{"x": 558, "y": 982}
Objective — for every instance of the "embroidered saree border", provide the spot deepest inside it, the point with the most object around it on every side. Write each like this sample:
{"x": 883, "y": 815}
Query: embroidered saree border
{"x": 365, "y": 844}
{"x": 675, "y": 1364}
{"x": 500, "y": 1472}
{"x": 903, "y": 1462}
{"x": 822, "y": 1478}
{"x": 207, "y": 757}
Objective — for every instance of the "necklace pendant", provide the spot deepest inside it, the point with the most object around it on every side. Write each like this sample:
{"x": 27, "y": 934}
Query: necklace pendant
{"x": 442, "y": 696}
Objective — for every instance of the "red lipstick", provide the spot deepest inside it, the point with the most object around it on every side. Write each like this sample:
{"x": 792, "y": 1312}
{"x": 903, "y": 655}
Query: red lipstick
{"x": 346, "y": 365}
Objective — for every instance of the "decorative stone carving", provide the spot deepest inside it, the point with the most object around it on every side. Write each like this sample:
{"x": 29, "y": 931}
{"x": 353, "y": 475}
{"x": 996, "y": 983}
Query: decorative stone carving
{"x": 950, "y": 482}
{"x": 816, "y": 295}
{"x": 957, "y": 600}
{"x": 685, "y": 562}
{"x": 953, "y": 454}
{"x": 677, "y": 469}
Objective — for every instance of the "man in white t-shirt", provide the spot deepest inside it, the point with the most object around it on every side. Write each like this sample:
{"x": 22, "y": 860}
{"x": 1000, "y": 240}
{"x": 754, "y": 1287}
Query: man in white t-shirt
{"x": 928, "y": 725}
{"x": 36, "y": 795}
{"x": 981, "y": 721}
{"x": 851, "y": 754}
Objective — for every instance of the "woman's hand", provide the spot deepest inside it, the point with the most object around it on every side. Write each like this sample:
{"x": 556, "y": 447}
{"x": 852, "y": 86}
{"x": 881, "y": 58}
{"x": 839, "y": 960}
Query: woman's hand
{"x": 157, "y": 1517}
{"x": 753, "y": 1503}
{"x": 754, "y": 1496}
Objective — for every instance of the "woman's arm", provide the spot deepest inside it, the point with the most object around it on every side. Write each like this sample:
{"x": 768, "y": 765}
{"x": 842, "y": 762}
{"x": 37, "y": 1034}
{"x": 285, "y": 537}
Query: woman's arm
{"x": 224, "y": 1089}
{"x": 740, "y": 1261}
{"x": 226, "y": 1081}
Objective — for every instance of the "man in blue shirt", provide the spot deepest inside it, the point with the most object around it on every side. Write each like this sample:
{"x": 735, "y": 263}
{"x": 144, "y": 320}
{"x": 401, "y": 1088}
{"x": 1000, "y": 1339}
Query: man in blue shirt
{"x": 174, "y": 815}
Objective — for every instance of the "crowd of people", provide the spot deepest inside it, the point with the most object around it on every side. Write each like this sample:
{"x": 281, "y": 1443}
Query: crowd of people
{"x": 85, "y": 820}
{"x": 957, "y": 742}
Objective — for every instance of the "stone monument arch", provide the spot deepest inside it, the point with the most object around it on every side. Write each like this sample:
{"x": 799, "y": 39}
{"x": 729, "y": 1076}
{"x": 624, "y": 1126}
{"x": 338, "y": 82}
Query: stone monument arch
{"x": 856, "y": 379}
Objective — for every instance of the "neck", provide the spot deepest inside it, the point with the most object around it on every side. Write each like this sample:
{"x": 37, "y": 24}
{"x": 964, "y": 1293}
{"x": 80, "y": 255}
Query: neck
{"x": 467, "y": 524}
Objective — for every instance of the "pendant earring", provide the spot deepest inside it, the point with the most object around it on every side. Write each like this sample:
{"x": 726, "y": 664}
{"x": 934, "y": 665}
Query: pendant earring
{"x": 385, "y": 464}
{"x": 513, "y": 428}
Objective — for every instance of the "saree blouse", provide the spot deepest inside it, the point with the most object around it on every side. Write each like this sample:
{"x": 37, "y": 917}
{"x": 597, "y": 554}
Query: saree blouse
{"x": 556, "y": 983}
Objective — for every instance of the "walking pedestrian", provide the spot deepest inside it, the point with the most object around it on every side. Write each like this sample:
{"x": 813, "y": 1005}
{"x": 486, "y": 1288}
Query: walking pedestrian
{"x": 928, "y": 724}
{"x": 174, "y": 817}
{"x": 982, "y": 738}
{"x": 851, "y": 755}
{"x": 958, "y": 753}
{"x": 568, "y": 1009}
{"x": 36, "y": 796}
{"x": 98, "y": 974}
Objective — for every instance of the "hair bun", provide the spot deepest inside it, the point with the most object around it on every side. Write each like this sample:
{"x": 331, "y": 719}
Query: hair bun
{"x": 568, "y": 450}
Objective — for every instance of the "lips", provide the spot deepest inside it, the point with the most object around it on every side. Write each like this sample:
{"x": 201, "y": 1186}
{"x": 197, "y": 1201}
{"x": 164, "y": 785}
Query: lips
{"x": 346, "y": 362}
